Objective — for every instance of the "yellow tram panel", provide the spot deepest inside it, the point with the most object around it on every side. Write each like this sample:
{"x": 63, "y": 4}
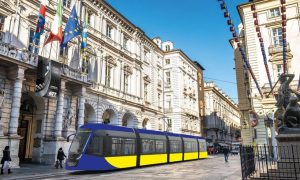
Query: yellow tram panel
{"x": 153, "y": 159}
{"x": 122, "y": 161}
{"x": 174, "y": 157}
{"x": 190, "y": 155}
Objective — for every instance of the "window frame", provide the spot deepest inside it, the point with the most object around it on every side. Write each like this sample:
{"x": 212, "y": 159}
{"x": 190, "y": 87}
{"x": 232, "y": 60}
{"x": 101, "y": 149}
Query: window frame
{"x": 272, "y": 12}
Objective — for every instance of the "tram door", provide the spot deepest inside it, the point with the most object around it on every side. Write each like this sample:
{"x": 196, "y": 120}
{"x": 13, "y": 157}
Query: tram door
{"x": 23, "y": 131}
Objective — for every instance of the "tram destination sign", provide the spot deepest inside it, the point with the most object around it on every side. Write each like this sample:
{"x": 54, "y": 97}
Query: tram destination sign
{"x": 48, "y": 78}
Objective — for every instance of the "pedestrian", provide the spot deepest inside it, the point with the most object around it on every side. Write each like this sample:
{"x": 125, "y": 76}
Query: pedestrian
{"x": 5, "y": 161}
{"x": 226, "y": 152}
{"x": 60, "y": 157}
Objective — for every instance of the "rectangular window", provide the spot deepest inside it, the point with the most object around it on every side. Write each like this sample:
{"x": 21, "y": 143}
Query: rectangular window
{"x": 2, "y": 18}
{"x": 63, "y": 51}
{"x": 109, "y": 31}
{"x": 125, "y": 43}
{"x": 67, "y": 3}
{"x": 169, "y": 121}
{"x": 168, "y": 61}
{"x": 277, "y": 36}
{"x": 275, "y": 12}
{"x": 145, "y": 91}
{"x": 32, "y": 46}
{"x": 148, "y": 146}
{"x": 95, "y": 146}
{"x": 158, "y": 99}
{"x": 89, "y": 15}
{"x": 175, "y": 146}
{"x": 160, "y": 146}
{"x": 108, "y": 75}
{"x": 168, "y": 78}
{"x": 126, "y": 82}
{"x": 190, "y": 146}
{"x": 168, "y": 102}
{"x": 279, "y": 70}
{"x": 122, "y": 146}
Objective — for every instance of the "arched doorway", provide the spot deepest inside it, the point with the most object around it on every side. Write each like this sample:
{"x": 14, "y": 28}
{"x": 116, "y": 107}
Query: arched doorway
{"x": 146, "y": 124}
{"x": 128, "y": 120}
{"x": 89, "y": 114}
{"x": 109, "y": 117}
{"x": 30, "y": 126}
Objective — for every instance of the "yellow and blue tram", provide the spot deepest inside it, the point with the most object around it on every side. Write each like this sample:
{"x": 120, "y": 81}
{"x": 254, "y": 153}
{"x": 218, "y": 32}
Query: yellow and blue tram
{"x": 106, "y": 147}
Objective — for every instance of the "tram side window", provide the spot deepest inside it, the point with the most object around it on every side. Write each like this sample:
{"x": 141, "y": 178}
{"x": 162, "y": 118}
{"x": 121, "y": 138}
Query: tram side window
{"x": 148, "y": 146}
{"x": 202, "y": 146}
{"x": 95, "y": 146}
{"x": 175, "y": 146}
{"x": 190, "y": 147}
{"x": 160, "y": 146}
{"x": 122, "y": 146}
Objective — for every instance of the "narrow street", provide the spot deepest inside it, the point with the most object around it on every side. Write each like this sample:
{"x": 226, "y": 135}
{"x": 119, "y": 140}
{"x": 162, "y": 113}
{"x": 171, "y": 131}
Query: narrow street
{"x": 213, "y": 168}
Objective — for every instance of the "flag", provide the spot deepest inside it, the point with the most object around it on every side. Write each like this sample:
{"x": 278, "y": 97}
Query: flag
{"x": 84, "y": 34}
{"x": 41, "y": 22}
{"x": 72, "y": 28}
{"x": 56, "y": 29}
{"x": 299, "y": 83}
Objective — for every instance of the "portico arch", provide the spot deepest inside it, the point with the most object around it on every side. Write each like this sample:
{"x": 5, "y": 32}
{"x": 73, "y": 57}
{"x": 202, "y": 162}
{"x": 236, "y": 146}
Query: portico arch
{"x": 89, "y": 114}
{"x": 109, "y": 116}
{"x": 129, "y": 120}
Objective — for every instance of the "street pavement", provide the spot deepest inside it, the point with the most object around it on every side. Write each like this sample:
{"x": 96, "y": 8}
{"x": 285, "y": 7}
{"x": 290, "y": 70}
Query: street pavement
{"x": 212, "y": 168}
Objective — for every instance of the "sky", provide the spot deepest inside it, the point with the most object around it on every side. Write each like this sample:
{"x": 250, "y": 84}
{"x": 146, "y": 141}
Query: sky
{"x": 198, "y": 27}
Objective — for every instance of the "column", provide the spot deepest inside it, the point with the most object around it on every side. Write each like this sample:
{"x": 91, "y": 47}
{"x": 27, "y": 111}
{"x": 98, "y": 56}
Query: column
{"x": 59, "y": 111}
{"x": 16, "y": 102}
{"x": 81, "y": 107}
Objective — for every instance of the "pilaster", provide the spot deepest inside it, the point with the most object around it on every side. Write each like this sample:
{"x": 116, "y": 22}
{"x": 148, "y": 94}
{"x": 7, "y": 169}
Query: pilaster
{"x": 59, "y": 111}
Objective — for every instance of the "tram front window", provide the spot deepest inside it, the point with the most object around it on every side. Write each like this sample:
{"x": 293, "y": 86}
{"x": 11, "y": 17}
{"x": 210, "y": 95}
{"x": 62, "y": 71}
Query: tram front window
{"x": 79, "y": 142}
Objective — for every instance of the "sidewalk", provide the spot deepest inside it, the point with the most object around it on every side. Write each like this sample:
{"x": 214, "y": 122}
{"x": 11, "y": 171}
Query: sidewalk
{"x": 33, "y": 171}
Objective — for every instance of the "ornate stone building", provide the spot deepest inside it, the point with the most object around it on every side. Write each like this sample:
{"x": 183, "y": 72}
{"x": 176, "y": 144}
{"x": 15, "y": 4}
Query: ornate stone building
{"x": 118, "y": 82}
{"x": 269, "y": 20}
{"x": 222, "y": 116}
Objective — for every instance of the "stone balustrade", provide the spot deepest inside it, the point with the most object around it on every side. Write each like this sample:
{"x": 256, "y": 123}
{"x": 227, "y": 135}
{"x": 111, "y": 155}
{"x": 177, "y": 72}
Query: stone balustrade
{"x": 22, "y": 55}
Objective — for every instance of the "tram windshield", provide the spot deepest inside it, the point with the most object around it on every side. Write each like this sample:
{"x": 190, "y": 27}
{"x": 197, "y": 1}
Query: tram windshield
{"x": 79, "y": 141}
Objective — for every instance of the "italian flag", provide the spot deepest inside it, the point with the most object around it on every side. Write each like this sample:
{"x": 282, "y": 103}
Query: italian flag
{"x": 56, "y": 29}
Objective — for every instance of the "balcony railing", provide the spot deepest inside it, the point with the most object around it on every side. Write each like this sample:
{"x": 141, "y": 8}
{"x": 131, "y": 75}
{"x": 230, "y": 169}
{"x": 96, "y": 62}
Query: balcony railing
{"x": 22, "y": 55}
{"x": 274, "y": 49}
{"x": 74, "y": 74}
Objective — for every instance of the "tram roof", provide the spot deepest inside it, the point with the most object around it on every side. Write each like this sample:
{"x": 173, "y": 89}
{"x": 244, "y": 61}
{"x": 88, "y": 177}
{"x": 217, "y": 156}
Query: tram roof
{"x": 96, "y": 126}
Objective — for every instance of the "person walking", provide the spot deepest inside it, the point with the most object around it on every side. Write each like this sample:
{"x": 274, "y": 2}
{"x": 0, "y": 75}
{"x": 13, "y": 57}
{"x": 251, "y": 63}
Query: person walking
{"x": 226, "y": 152}
{"x": 60, "y": 157}
{"x": 5, "y": 161}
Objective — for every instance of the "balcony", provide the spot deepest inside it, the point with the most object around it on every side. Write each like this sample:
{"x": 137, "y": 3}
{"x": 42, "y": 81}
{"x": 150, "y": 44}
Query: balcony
{"x": 190, "y": 112}
{"x": 274, "y": 49}
{"x": 17, "y": 54}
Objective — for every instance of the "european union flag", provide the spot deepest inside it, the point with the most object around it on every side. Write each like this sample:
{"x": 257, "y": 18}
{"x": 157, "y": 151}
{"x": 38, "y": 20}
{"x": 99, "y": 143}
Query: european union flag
{"x": 72, "y": 28}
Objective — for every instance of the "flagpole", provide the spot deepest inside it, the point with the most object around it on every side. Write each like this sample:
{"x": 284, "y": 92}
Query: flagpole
{"x": 79, "y": 43}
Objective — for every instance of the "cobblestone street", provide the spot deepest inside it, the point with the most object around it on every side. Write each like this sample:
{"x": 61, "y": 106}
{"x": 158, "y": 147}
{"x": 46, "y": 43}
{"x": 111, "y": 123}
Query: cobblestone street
{"x": 213, "y": 168}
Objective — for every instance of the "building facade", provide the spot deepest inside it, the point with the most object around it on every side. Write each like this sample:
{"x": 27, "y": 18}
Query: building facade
{"x": 119, "y": 80}
{"x": 201, "y": 97}
{"x": 181, "y": 94}
{"x": 269, "y": 20}
{"x": 222, "y": 116}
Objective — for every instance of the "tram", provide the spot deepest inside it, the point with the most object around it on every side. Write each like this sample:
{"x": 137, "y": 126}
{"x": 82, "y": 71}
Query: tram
{"x": 100, "y": 147}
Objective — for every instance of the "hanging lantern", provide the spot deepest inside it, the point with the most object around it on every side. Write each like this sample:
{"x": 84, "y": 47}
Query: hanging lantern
{"x": 284, "y": 35}
{"x": 239, "y": 45}
{"x": 283, "y": 9}
{"x": 223, "y": 6}
{"x": 231, "y": 28}
{"x": 282, "y": 1}
{"x": 255, "y": 15}
{"x": 253, "y": 7}
{"x": 283, "y": 29}
{"x": 229, "y": 22}
{"x": 226, "y": 14}
{"x": 283, "y": 17}
{"x": 261, "y": 40}
{"x": 234, "y": 34}
{"x": 256, "y": 22}
{"x": 257, "y": 29}
{"x": 283, "y": 23}
{"x": 258, "y": 34}
{"x": 236, "y": 39}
